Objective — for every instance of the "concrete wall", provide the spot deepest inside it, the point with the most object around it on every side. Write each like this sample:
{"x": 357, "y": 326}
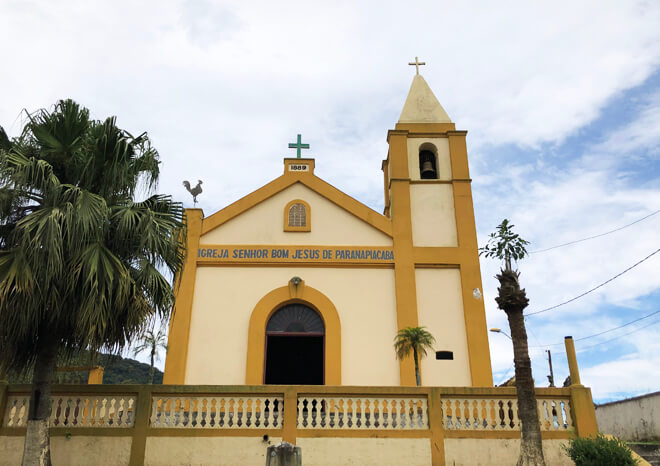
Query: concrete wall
{"x": 365, "y": 451}
{"x": 498, "y": 452}
{"x": 79, "y": 450}
{"x": 251, "y": 451}
{"x": 226, "y": 451}
{"x": 634, "y": 419}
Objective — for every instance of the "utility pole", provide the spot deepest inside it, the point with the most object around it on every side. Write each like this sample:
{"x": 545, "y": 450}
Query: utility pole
{"x": 551, "y": 377}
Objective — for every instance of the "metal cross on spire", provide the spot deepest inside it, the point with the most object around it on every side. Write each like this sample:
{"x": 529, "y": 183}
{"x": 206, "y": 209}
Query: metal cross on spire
{"x": 298, "y": 145}
{"x": 417, "y": 64}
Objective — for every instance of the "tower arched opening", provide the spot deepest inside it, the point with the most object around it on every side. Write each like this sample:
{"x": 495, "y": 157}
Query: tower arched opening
{"x": 428, "y": 162}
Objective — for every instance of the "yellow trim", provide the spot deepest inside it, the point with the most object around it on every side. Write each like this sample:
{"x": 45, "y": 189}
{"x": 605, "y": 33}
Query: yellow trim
{"x": 291, "y": 161}
{"x": 308, "y": 216}
{"x": 404, "y": 267}
{"x": 385, "y": 166}
{"x": 372, "y": 433}
{"x": 309, "y": 180}
{"x": 473, "y": 309}
{"x": 179, "y": 334}
{"x": 275, "y": 300}
{"x": 431, "y": 129}
{"x": 246, "y": 254}
{"x": 505, "y": 434}
{"x": 572, "y": 361}
{"x": 436, "y": 428}
{"x": 582, "y": 405}
{"x": 465, "y": 256}
{"x": 95, "y": 376}
{"x": 583, "y": 411}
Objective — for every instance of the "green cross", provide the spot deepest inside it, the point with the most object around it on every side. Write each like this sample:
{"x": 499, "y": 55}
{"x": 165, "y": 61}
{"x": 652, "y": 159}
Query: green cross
{"x": 298, "y": 145}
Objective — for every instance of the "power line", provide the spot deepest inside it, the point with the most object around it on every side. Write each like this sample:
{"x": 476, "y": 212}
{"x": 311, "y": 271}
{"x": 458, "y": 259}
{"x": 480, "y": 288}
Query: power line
{"x": 619, "y": 336}
{"x": 603, "y": 332}
{"x": 595, "y": 236}
{"x": 594, "y": 288}
{"x": 612, "y": 339}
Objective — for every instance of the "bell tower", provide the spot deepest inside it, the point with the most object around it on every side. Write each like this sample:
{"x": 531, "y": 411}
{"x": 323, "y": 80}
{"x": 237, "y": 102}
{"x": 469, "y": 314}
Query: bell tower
{"x": 429, "y": 199}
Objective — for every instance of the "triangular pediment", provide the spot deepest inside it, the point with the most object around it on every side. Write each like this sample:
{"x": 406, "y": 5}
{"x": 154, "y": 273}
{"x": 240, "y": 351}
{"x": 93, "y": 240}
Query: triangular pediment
{"x": 335, "y": 216}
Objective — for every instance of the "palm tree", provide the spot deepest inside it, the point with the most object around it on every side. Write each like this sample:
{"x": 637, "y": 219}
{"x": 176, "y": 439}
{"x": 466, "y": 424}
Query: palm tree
{"x": 151, "y": 341}
{"x": 80, "y": 259}
{"x": 505, "y": 245}
{"x": 417, "y": 339}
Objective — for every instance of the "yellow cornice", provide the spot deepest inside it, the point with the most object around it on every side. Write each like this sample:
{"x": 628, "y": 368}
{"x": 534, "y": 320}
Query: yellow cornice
{"x": 434, "y": 128}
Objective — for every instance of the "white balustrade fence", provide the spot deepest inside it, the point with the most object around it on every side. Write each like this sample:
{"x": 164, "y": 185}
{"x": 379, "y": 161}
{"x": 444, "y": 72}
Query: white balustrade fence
{"x": 351, "y": 412}
{"x": 76, "y": 411}
{"x": 502, "y": 414}
{"x": 217, "y": 412}
{"x": 313, "y": 411}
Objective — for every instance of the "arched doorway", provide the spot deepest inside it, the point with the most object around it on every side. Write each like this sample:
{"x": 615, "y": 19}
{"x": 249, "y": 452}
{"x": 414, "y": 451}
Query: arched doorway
{"x": 295, "y": 347}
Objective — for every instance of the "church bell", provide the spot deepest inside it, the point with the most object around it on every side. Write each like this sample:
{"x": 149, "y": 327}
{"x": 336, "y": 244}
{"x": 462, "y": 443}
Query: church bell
{"x": 428, "y": 172}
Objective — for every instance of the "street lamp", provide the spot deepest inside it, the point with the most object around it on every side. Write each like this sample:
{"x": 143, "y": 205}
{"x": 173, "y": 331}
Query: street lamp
{"x": 499, "y": 330}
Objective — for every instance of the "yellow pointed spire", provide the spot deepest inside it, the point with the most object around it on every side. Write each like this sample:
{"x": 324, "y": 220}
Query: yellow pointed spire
{"x": 421, "y": 105}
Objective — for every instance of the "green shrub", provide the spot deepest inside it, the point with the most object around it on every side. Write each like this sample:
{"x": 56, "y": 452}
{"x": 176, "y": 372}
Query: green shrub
{"x": 599, "y": 451}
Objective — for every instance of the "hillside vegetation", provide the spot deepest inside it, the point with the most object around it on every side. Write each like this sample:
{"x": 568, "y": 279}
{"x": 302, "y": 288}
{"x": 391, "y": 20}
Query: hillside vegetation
{"x": 117, "y": 370}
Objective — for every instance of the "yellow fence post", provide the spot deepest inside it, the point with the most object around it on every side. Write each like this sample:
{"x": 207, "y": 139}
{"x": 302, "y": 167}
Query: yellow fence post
{"x": 290, "y": 417}
{"x": 141, "y": 426}
{"x": 95, "y": 375}
{"x": 437, "y": 430}
{"x": 582, "y": 404}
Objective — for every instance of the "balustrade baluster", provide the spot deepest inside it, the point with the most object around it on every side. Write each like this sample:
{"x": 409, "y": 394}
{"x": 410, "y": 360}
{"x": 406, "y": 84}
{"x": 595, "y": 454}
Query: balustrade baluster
{"x": 300, "y": 408}
{"x": 451, "y": 414}
{"x": 561, "y": 423}
{"x": 424, "y": 418}
{"x": 154, "y": 419}
{"x": 111, "y": 420}
{"x": 515, "y": 419}
{"x": 222, "y": 412}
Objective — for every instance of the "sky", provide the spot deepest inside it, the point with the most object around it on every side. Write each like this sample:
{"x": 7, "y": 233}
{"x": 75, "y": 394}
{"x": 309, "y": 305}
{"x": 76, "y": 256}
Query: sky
{"x": 561, "y": 101}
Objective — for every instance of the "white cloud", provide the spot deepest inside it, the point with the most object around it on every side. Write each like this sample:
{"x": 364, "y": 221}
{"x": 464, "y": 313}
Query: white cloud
{"x": 222, "y": 87}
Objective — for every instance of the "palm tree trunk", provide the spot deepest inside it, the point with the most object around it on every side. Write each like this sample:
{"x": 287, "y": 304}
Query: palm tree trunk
{"x": 513, "y": 301}
{"x": 151, "y": 369}
{"x": 37, "y": 439}
{"x": 418, "y": 379}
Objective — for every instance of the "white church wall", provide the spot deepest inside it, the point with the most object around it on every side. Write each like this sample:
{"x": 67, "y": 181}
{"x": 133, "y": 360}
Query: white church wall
{"x": 226, "y": 296}
{"x": 433, "y": 217}
{"x": 263, "y": 224}
{"x": 440, "y": 310}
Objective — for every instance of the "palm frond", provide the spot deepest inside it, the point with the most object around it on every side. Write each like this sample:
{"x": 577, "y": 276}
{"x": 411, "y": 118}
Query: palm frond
{"x": 410, "y": 338}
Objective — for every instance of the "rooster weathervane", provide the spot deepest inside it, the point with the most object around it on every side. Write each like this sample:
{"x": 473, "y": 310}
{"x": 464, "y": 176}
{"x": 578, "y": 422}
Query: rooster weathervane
{"x": 197, "y": 190}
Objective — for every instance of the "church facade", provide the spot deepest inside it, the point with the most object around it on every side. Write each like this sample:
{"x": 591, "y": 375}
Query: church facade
{"x": 299, "y": 283}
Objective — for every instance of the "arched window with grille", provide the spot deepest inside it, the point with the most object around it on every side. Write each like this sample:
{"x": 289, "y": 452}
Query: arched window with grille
{"x": 297, "y": 216}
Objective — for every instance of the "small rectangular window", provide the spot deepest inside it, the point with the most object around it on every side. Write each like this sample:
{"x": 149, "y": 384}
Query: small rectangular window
{"x": 447, "y": 355}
